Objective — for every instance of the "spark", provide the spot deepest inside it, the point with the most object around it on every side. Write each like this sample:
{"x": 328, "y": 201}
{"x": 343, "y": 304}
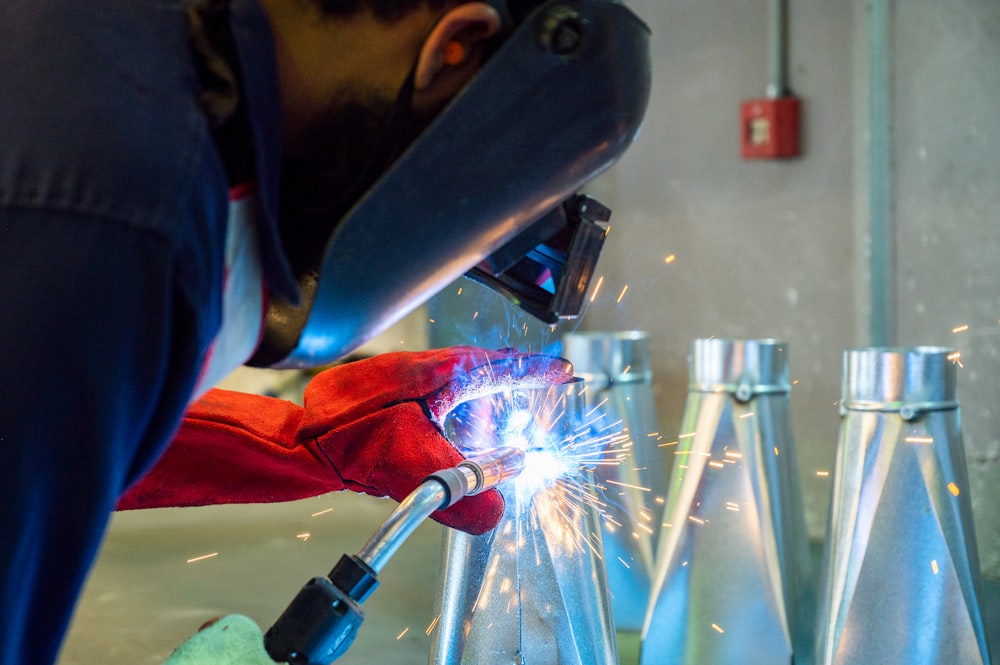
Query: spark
{"x": 622, "y": 294}
{"x": 405, "y": 630}
{"x": 323, "y": 512}
{"x": 459, "y": 291}
{"x": 431, "y": 321}
{"x": 635, "y": 487}
{"x": 776, "y": 451}
{"x": 623, "y": 563}
{"x": 733, "y": 506}
{"x": 617, "y": 427}
{"x": 734, "y": 455}
{"x": 919, "y": 439}
{"x": 953, "y": 488}
{"x": 695, "y": 519}
{"x": 434, "y": 622}
{"x": 960, "y": 329}
{"x": 597, "y": 288}
{"x": 822, "y": 474}
{"x": 934, "y": 566}
{"x": 717, "y": 629}
{"x": 596, "y": 408}
{"x": 612, "y": 520}
{"x": 956, "y": 358}
{"x": 716, "y": 464}
{"x": 685, "y": 436}
{"x": 645, "y": 528}
{"x": 747, "y": 415}
{"x": 203, "y": 557}
{"x": 668, "y": 443}
{"x": 670, "y": 258}
{"x": 303, "y": 536}
{"x": 795, "y": 382}
{"x": 476, "y": 315}
{"x": 652, "y": 434}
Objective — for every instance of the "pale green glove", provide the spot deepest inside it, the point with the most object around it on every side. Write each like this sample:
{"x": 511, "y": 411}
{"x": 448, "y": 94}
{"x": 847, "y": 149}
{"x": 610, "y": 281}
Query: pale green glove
{"x": 232, "y": 640}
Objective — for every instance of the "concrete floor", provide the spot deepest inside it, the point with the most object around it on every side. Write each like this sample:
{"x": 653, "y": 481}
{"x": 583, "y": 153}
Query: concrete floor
{"x": 143, "y": 598}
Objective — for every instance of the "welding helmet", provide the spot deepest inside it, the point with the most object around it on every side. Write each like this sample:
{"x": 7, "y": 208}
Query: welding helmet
{"x": 488, "y": 189}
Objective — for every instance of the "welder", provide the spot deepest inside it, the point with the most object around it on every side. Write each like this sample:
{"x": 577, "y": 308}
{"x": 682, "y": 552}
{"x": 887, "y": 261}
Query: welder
{"x": 190, "y": 185}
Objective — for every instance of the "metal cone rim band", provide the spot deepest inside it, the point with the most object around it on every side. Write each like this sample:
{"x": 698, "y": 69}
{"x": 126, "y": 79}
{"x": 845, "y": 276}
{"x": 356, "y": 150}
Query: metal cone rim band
{"x": 610, "y": 357}
{"x": 910, "y": 380}
{"x": 743, "y": 367}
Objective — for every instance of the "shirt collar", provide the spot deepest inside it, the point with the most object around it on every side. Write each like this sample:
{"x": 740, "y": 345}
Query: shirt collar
{"x": 254, "y": 41}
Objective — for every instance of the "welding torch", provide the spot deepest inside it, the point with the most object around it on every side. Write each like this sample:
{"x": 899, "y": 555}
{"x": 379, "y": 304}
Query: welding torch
{"x": 323, "y": 619}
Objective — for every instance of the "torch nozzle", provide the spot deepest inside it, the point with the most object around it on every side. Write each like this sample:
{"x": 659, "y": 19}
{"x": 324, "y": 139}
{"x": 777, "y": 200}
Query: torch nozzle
{"x": 493, "y": 467}
{"x": 440, "y": 490}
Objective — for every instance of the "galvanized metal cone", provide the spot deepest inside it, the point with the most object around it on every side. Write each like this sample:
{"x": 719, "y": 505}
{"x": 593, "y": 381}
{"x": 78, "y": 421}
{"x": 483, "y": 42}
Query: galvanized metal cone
{"x": 733, "y": 557}
{"x": 618, "y": 372}
{"x": 900, "y": 578}
{"x": 534, "y": 590}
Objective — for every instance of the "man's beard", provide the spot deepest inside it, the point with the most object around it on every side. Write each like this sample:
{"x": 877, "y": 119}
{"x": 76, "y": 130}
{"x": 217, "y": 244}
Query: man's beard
{"x": 347, "y": 148}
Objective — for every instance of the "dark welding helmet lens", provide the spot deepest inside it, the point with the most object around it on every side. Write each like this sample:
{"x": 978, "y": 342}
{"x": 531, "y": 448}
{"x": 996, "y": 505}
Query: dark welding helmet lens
{"x": 547, "y": 270}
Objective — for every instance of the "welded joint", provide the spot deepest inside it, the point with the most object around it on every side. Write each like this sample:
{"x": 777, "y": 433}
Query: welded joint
{"x": 908, "y": 411}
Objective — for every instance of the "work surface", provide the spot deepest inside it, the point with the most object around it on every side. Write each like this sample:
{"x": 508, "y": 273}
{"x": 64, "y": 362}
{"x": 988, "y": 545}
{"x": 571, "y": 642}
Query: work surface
{"x": 144, "y": 598}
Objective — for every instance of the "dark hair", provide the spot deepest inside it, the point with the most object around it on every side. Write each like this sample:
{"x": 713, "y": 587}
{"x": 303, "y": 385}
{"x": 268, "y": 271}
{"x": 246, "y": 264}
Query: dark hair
{"x": 386, "y": 10}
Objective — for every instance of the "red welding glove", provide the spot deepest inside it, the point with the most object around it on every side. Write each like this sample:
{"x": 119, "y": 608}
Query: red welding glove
{"x": 370, "y": 426}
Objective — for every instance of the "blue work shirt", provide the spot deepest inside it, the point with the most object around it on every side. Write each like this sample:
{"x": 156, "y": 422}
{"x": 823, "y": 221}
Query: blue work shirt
{"x": 113, "y": 209}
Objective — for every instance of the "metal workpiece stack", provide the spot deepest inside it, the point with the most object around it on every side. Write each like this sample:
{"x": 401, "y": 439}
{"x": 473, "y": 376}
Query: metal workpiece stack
{"x": 900, "y": 578}
{"x": 733, "y": 560}
{"x": 731, "y": 580}
{"x": 618, "y": 375}
{"x": 534, "y": 590}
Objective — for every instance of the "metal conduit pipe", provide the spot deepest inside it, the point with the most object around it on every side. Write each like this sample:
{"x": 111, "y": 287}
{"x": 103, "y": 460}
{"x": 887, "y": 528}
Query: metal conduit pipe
{"x": 778, "y": 55}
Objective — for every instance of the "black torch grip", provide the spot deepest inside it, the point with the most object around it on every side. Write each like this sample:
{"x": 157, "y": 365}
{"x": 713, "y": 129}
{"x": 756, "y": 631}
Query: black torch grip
{"x": 321, "y": 622}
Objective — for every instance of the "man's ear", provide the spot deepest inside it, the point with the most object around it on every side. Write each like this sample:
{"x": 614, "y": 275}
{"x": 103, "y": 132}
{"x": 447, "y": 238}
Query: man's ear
{"x": 450, "y": 54}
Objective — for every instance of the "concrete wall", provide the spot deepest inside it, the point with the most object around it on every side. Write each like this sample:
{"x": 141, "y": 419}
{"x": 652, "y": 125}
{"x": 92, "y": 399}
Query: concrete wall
{"x": 763, "y": 249}
{"x": 780, "y": 249}
{"x": 946, "y": 140}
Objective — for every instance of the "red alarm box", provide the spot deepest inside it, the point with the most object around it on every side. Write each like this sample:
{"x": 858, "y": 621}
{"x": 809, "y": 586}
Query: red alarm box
{"x": 770, "y": 128}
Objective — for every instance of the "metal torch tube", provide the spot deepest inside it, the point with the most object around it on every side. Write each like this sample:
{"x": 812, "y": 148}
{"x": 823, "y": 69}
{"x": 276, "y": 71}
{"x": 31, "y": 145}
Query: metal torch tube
{"x": 471, "y": 476}
{"x": 414, "y": 509}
